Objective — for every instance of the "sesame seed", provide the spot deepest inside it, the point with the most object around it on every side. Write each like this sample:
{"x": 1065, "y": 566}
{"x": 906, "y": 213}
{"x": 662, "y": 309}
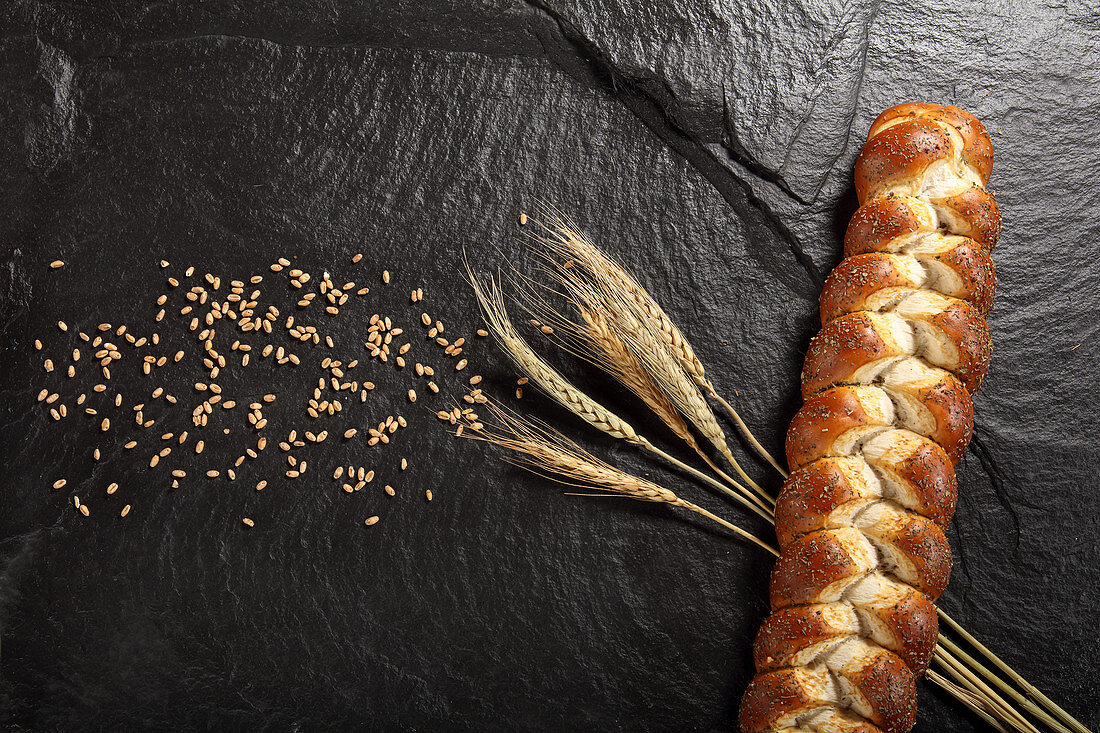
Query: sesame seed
{"x": 261, "y": 485}
{"x": 428, "y": 494}
{"x": 84, "y": 509}
{"x": 112, "y": 487}
{"x": 125, "y": 511}
{"x": 404, "y": 463}
{"x": 248, "y": 522}
{"x": 57, "y": 264}
{"x": 386, "y": 276}
{"x": 60, "y": 483}
{"x": 412, "y": 395}
{"x": 371, "y": 520}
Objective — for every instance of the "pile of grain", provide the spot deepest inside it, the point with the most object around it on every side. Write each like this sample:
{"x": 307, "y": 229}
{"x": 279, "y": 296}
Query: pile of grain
{"x": 233, "y": 322}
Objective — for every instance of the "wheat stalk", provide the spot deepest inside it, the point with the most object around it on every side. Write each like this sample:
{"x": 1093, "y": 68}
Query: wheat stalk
{"x": 617, "y": 309}
{"x": 1031, "y": 693}
{"x": 560, "y": 389}
{"x": 994, "y": 702}
{"x": 974, "y": 702}
{"x": 545, "y": 451}
{"x": 596, "y": 341}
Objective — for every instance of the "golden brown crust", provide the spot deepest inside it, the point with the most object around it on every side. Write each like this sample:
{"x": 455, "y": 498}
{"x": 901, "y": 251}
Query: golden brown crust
{"x": 850, "y": 285}
{"x": 819, "y": 567}
{"x": 822, "y": 419}
{"x": 899, "y": 156}
{"x": 891, "y": 690}
{"x": 812, "y": 494}
{"x": 949, "y": 405}
{"x": 969, "y": 334}
{"x": 977, "y": 147}
{"x": 772, "y": 696}
{"x": 844, "y": 345}
{"x": 820, "y": 428}
{"x": 927, "y": 473}
{"x": 906, "y": 624}
{"x": 945, "y": 332}
{"x": 781, "y": 695}
{"x": 890, "y": 221}
{"x": 974, "y": 214}
{"x": 916, "y": 542}
{"x": 884, "y": 686}
{"x": 791, "y": 631}
{"x": 914, "y": 622}
{"x": 885, "y": 220}
{"x": 872, "y": 281}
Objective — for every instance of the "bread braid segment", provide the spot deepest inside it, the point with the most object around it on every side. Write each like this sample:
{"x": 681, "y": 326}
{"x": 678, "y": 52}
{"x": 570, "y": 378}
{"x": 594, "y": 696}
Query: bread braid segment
{"x": 887, "y": 415}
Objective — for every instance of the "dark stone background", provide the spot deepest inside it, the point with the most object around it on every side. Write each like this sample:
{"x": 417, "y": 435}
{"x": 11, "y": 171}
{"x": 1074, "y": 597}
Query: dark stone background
{"x": 709, "y": 146}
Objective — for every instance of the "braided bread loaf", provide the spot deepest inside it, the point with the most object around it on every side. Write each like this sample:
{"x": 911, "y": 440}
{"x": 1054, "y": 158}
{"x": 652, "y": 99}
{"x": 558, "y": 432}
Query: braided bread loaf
{"x": 887, "y": 415}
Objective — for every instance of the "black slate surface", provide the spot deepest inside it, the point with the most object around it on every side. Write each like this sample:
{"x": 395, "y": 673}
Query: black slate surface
{"x": 710, "y": 147}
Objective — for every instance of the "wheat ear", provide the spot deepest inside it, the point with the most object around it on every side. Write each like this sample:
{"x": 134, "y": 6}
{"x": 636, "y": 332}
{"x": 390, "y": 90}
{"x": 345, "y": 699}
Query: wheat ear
{"x": 561, "y": 390}
{"x": 564, "y": 238}
{"x": 663, "y": 372}
{"x": 595, "y": 341}
{"x": 538, "y": 371}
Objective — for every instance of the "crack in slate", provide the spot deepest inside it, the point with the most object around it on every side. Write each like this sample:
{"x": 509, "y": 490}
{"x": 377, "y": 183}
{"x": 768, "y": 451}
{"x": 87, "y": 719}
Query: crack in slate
{"x": 775, "y": 175}
{"x": 732, "y": 142}
{"x": 997, "y": 482}
{"x": 592, "y": 66}
{"x": 853, "y": 101}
